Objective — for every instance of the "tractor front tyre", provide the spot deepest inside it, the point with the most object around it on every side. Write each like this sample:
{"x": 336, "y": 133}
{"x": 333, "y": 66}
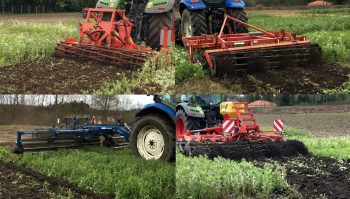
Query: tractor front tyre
{"x": 193, "y": 23}
{"x": 241, "y": 15}
{"x": 157, "y": 22}
{"x": 152, "y": 137}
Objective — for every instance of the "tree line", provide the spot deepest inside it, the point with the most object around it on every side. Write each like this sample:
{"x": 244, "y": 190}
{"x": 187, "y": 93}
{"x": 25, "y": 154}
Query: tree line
{"x": 290, "y": 100}
{"x": 275, "y": 3}
{"x": 40, "y": 6}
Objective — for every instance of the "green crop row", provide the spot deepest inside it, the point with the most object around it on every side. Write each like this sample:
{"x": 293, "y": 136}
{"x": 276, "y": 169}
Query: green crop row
{"x": 199, "y": 177}
{"x": 300, "y": 24}
{"x": 327, "y": 11}
{"x": 21, "y": 42}
{"x": 335, "y": 44}
{"x": 103, "y": 170}
{"x": 330, "y": 146}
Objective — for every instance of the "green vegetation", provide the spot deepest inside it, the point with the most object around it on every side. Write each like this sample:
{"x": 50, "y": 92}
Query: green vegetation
{"x": 327, "y": 11}
{"x": 21, "y": 42}
{"x": 344, "y": 89}
{"x": 300, "y": 24}
{"x": 103, "y": 170}
{"x": 331, "y": 32}
{"x": 157, "y": 76}
{"x": 199, "y": 177}
{"x": 185, "y": 69}
{"x": 331, "y": 146}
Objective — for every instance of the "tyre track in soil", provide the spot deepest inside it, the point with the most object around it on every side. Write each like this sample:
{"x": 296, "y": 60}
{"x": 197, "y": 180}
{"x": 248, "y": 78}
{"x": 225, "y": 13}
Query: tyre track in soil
{"x": 317, "y": 177}
{"x": 59, "y": 75}
{"x": 21, "y": 182}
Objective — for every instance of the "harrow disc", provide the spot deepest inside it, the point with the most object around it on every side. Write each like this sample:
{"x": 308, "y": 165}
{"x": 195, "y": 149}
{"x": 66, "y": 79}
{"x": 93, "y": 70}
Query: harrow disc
{"x": 246, "y": 150}
{"x": 259, "y": 59}
{"x": 115, "y": 56}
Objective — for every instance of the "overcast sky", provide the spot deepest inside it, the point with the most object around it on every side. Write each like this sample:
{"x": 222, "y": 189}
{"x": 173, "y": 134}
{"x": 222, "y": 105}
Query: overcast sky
{"x": 140, "y": 100}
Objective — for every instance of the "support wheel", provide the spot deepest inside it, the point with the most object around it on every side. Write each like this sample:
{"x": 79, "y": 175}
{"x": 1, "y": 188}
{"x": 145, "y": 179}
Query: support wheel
{"x": 153, "y": 137}
{"x": 240, "y": 15}
{"x": 193, "y": 23}
{"x": 156, "y": 23}
{"x": 108, "y": 142}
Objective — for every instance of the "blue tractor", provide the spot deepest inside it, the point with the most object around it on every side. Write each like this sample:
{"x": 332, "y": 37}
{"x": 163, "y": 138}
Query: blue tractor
{"x": 197, "y": 17}
{"x": 153, "y": 133}
{"x": 206, "y": 16}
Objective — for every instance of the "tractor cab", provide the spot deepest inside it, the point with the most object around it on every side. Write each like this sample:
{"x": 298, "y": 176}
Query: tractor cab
{"x": 73, "y": 122}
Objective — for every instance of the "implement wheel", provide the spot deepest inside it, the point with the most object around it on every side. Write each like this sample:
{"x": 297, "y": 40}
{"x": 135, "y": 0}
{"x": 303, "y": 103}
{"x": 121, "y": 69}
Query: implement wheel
{"x": 153, "y": 138}
{"x": 240, "y": 15}
{"x": 193, "y": 23}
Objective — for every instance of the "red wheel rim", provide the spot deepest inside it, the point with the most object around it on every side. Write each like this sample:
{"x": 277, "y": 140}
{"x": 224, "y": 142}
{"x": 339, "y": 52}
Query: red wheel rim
{"x": 180, "y": 129}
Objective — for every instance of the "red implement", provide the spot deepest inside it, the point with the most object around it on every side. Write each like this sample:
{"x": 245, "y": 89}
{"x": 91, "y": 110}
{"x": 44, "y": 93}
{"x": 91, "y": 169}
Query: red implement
{"x": 226, "y": 52}
{"x": 242, "y": 128}
{"x": 105, "y": 36}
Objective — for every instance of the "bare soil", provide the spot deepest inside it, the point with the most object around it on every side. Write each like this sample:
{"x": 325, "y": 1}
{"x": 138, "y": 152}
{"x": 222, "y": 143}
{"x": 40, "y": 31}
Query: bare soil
{"x": 21, "y": 182}
{"x": 318, "y": 177}
{"x": 58, "y": 75}
{"x": 318, "y": 124}
{"x": 292, "y": 80}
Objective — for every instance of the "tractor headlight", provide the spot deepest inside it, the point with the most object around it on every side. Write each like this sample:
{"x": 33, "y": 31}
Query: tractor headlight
{"x": 111, "y": 5}
{"x": 149, "y": 5}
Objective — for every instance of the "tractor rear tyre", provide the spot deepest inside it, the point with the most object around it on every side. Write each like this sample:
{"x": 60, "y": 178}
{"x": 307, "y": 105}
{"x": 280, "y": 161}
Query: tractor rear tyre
{"x": 153, "y": 137}
{"x": 191, "y": 123}
{"x": 156, "y": 23}
{"x": 241, "y": 15}
{"x": 193, "y": 23}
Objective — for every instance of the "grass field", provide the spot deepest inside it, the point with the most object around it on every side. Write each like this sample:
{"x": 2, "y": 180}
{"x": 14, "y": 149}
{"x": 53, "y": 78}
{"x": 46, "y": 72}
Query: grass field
{"x": 103, "y": 170}
{"x": 33, "y": 37}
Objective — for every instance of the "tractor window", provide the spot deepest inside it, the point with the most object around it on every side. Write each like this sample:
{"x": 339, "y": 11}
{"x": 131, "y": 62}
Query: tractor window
{"x": 202, "y": 99}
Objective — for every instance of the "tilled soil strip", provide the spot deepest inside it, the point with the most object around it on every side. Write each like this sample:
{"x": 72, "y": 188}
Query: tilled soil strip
{"x": 55, "y": 184}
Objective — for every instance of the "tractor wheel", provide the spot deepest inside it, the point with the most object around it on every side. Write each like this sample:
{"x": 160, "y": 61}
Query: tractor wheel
{"x": 178, "y": 36}
{"x": 193, "y": 23}
{"x": 185, "y": 122}
{"x": 156, "y": 23}
{"x": 152, "y": 137}
{"x": 240, "y": 15}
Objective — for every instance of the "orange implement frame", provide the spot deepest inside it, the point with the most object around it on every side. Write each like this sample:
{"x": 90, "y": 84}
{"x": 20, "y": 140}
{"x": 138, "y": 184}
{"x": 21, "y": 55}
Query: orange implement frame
{"x": 246, "y": 129}
{"x": 240, "y": 42}
{"x": 105, "y": 36}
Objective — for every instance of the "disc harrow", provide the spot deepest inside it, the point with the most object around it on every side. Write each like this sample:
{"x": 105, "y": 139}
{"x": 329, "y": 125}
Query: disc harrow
{"x": 229, "y": 52}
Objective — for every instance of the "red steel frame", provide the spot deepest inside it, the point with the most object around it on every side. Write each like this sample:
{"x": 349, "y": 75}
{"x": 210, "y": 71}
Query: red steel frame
{"x": 239, "y": 41}
{"x": 244, "y": 132}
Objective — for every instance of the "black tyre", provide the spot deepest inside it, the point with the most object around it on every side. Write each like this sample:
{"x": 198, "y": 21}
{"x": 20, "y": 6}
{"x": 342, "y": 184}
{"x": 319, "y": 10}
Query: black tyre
{"x": 193, "y": 23}
{"x": 191, "y": 123}
{"x": 178, "y": 35}
{"x": 153, "y": 137}
{"x": 240, "y": 15}
{"x": 108, "y": 142}
{"x": 156, "y": 23}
